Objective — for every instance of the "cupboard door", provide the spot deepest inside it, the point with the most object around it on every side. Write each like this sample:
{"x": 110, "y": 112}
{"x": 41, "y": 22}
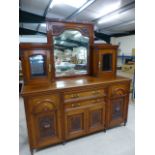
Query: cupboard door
{"x": 96, "y": 117}
{"x": 45, "y": 124}
{"x": 75, "y": 123}
{"x": 117, "y": 111}
{"x": 107, "y": 63}
{"x": 36, "y": 66}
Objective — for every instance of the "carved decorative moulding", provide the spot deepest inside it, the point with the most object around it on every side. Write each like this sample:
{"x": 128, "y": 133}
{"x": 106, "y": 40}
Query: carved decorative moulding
{"x": 119, "y": 90}
{"x": 57, "y": 29}
{"x": 85, "y": 31}
{"x": 43, "y": 106}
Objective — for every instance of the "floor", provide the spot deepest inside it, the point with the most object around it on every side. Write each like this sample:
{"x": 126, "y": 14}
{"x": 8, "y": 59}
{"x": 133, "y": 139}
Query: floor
{"x": 116, "y": 141}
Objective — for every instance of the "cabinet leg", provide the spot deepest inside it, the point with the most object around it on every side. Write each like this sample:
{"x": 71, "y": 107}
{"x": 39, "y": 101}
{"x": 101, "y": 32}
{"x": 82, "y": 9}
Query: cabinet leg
{"x": 31, "y": 150}
{"x": 104, "y": 130}
{"x": 64, "y": 142}
{"x": 125, "y": 122}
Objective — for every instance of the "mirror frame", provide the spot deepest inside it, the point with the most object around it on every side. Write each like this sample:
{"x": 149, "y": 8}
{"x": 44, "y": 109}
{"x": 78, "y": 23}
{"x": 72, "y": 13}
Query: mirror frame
{"x": 55, "y": 28}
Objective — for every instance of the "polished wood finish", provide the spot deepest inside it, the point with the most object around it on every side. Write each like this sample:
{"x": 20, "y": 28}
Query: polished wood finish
{"x": 28, "y": 79}
{"x": 99, "y": 51}
{"x": 55, "y": 28}
{"x": 42, "y": 113}
{"x": 74, "y": 108}
{"x": 58, "y": 110}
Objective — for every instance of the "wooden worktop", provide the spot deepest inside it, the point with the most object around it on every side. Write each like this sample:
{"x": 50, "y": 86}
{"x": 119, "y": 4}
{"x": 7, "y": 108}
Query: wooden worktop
{"x": 69, "y": 83}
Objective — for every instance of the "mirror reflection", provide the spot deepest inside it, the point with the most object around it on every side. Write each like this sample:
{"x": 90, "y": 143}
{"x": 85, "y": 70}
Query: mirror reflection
{"x": 70, "y": 53}
{"x": 37, "y": 65}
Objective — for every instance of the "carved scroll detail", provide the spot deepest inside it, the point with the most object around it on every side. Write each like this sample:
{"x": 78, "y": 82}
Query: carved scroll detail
{"x": 85, "y": 31}
{"x": 57, "y": 29}
{"x": 43, "y": 106}
{"x": 119, "y": 92}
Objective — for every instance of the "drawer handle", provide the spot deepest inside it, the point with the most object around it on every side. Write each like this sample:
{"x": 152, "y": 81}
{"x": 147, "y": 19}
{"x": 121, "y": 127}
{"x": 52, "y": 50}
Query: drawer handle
{"x": 75, "y": 95}
{"x": 96, "y": 101}
{"x": 96, "y": 92}
{"x": 76, "y": 105}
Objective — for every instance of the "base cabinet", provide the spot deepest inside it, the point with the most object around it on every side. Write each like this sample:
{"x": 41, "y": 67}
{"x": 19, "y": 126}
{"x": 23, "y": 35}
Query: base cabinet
{"x": 55, "y": 117}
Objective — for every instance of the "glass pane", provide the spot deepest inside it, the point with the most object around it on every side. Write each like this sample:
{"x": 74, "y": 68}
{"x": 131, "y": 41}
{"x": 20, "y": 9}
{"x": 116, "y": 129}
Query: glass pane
{"x": 37, "y": 64}
{"x": 106, "y": 62}
{"x": 70, "y": 53}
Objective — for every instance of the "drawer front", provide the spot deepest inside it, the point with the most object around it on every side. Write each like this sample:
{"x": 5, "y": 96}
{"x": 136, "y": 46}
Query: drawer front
{"x": 70, "y": 106}
{"x": 118, "y": 90}
{"x": 69, "y": 97}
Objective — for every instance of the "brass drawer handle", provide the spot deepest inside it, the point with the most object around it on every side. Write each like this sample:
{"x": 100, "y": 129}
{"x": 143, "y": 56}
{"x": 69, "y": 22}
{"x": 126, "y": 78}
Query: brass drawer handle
{"x": 73, "y": 105}
{"x": 96, "y": 101}
{"x": 75, "y": 95}
{"x": 96, "y": 92}
{"x": 76, "y": 105}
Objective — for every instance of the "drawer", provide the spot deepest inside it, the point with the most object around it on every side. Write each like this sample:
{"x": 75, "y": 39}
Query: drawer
{"x": 69, "y": 97}
{"x": 118, "y": 90}
{"x": 84, "y": 103}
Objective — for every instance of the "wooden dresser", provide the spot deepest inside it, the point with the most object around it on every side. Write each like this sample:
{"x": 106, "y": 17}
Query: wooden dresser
{"x": 60, "y": 108}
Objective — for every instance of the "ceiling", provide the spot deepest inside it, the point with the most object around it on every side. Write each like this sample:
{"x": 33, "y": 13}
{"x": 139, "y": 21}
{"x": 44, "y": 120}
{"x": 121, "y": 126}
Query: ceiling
{"x": 110, "y": 17}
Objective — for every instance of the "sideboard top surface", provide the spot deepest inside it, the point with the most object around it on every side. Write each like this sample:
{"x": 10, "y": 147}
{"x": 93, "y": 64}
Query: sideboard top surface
{"x": 69, "y": 84}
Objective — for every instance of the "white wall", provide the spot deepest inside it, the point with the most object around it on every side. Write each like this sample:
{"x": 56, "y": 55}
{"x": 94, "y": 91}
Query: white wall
{"x": 126, "y": 44}
{"x": 32, "y": 39}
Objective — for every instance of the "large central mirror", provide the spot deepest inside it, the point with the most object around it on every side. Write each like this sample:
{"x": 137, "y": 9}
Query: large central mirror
{"x": 71, "y": 53}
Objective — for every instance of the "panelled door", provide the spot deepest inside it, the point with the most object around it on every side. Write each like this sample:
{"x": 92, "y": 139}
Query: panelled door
{"x": 75, "y": 123}
{"x": 45, "y": 121}
{"x": 96, "y": 117}
{"x": 117, "y": 111}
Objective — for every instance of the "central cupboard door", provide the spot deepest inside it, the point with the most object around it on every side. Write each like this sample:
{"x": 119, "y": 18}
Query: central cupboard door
{"x": 75, "y": 123}
{"x": 96, "y": 117}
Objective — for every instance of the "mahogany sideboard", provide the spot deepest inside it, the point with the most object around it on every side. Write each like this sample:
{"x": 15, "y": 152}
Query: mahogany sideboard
{"x": 70, "y": 85}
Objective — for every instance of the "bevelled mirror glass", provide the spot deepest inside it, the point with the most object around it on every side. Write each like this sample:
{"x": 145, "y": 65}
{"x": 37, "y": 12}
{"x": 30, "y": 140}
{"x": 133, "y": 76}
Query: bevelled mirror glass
{"x": 71, "y": 53}
{"x": 37, "y": 65}
{"x": 106, "y": 62}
